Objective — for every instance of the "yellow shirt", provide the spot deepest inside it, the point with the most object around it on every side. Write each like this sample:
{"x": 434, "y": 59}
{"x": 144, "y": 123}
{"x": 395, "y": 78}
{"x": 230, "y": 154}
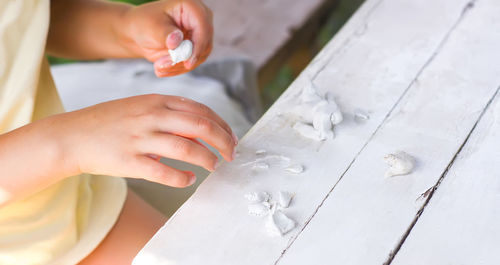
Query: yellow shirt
{"x": 65, "y": 222}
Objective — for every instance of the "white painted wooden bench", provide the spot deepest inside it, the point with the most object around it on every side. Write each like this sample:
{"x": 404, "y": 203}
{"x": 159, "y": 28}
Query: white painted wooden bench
{"x": 428, "y": 74}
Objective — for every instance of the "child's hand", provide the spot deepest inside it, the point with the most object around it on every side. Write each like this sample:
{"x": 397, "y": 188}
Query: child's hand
{"x": 126, "y": 137}
{"x": 151, "y": 29}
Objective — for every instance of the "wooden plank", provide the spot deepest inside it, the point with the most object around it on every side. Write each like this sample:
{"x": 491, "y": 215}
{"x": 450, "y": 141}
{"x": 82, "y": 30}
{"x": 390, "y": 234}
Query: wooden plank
{"x": 460, "y": 224}
{"x": 366, "y": 216}
{"x": 375, "y": 55}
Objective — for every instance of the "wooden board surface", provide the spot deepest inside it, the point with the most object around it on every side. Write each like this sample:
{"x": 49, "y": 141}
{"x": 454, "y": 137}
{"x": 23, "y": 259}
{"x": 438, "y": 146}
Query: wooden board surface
{"x": 365, "y": 216}
{"x": 403, "y": 62}
{"x": 460, "y": 224}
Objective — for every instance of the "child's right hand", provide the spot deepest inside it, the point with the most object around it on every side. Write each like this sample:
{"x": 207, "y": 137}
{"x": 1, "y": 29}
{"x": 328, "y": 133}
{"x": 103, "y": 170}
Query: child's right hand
{"x": 122, "y": 137}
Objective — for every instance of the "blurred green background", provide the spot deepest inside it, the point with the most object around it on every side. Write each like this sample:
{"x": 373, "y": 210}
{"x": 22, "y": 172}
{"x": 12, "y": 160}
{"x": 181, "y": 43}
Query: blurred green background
{"x": 270, "y": 91}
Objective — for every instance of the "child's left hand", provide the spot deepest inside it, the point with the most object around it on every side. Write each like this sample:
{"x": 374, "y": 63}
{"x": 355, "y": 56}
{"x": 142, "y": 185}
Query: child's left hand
{"x": 154, "y": 28}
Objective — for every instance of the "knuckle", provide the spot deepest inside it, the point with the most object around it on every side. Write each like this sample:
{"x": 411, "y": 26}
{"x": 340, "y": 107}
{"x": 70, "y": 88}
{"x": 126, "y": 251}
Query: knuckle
{"x": 204, "y": 110}
{"x": 204, "y": 125}
{"x": 182, "y": 147}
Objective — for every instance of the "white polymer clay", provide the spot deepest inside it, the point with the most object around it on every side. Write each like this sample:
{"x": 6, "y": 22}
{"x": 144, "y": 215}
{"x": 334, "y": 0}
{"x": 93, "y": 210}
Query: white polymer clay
{"x": 258, "y": 196}
{"x": 260, "y": 166}
{"x": 259, "y": 209}
{"x": 279, "y": 224}
{"x": 261, "y": 152}
{"x": 317, "y": 114}
{"x": 295, "y": 169}
{"x": 182, "y": 52}
{"x": 399, "y": 163}
{"x": 284, "y": 199}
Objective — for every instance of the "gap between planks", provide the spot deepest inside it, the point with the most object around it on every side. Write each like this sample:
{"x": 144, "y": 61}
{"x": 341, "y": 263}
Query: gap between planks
{"x": 469, "y": 5}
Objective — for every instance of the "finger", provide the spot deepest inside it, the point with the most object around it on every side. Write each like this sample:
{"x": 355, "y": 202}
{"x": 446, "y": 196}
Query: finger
{"x": 191, "y": 106}
{"x": 174, "y": 38}
{"x": 169, "y": 69}
{"x": 163, "y": 66}
{"x": 155, "y": 157}
{"x": 194, "y": 126}
{"x": 152, "y": 170}
{"x": 179, "y": 148}
{"x": 170, "y": 72}
{"x": 198, "y": 21}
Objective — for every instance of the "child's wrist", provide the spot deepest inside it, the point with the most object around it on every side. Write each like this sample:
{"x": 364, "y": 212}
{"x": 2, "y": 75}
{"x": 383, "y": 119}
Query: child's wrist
{"x": 123, "y": 32}
{"x": 59, "y": 143}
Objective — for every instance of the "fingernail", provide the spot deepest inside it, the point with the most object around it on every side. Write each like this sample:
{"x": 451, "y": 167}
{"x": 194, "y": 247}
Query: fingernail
{"x": 192, "y": 179}
{"x": 164, "y": 63}
{"x": 235, "y": 138}
{"x": 192, "y": 62}
{"x": 174, "y": 39}
{"x": 218, "y": 162}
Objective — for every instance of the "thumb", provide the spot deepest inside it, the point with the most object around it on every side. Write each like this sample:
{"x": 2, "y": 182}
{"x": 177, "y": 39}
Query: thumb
{"x": 174, "y": 38}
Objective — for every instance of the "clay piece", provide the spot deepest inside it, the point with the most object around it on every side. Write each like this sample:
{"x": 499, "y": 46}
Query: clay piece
{"x": 258, "y": 196}
{"x": 317, "y": 114}
{"x": 260, "y": 166}
{"x": 284, "y": 199}
{"x": 400, "y": 163}
{"x": 268, "y": 161}
{"x": 361, "y": 116}
{"x": 182, "y": 52}
{"x": 259, "y": 209}
{"x": 307, "y": 131}
{"x": 279, "y": 224}
{"x": 261, "y": 152}
{"x": 295, "y": 169}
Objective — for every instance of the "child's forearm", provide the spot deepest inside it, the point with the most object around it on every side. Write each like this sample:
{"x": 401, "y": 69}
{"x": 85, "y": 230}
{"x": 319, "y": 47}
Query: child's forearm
{"x": 88, "y": 29}
{"x": 31, "y": 158}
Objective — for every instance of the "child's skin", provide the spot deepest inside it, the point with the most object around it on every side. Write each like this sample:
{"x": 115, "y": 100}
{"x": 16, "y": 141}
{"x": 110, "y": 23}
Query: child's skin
{"x": 122, "y": 137}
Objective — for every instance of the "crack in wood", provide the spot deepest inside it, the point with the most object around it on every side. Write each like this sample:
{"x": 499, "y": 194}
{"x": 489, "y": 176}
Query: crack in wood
{"x": 469, "y": 5}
